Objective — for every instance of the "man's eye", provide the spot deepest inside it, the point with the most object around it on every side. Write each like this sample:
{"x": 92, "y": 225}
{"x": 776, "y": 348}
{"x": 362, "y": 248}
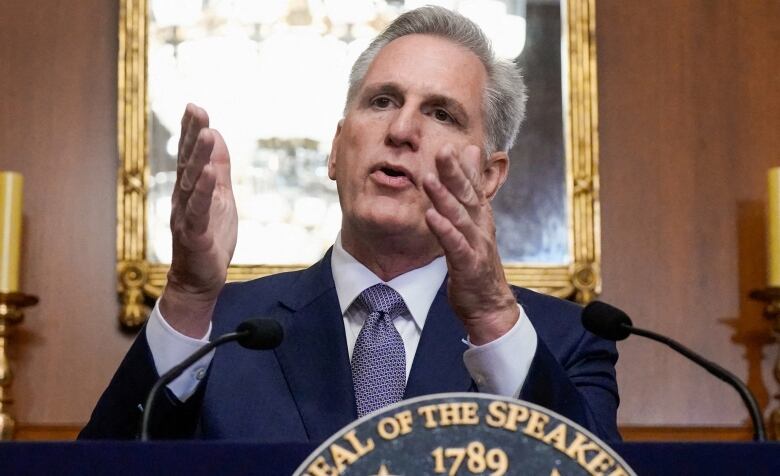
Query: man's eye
{"x": 381, "y": 102}
{"x": 443, "y": 116}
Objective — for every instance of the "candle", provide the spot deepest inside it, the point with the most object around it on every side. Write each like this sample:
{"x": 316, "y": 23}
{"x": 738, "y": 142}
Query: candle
{"x": 773, "y": 228}
{"x": 10, "y": 230}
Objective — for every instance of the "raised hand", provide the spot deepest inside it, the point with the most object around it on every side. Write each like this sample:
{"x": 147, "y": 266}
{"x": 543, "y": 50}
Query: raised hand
{"x": 462, "y": 220}
{"x": 204, "y": 225}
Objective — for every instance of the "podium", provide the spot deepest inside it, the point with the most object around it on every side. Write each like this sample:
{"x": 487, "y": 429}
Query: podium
{"x": 195, "y": 458}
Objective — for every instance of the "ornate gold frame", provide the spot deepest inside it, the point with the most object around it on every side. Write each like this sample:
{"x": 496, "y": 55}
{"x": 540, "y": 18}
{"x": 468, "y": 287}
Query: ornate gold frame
{"x": 139, "y": 280}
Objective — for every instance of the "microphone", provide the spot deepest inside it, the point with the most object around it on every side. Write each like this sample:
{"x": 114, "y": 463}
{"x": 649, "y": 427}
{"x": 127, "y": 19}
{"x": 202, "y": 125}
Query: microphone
{"x": 611, "y": 323}
{"x": 255, "y": 334}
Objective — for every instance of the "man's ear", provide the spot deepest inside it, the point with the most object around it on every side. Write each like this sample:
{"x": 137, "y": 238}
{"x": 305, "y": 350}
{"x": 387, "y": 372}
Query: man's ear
{"x": 495, "y": 173}
{"x": 333, "y": 154}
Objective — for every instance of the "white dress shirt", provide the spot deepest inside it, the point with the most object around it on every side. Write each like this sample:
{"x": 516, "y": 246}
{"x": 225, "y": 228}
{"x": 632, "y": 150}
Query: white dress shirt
{"x": 498, "y": 367}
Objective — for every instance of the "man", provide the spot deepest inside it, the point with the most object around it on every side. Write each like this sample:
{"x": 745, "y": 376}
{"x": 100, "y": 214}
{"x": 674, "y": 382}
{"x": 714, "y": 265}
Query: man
{"x": 420, "y": 152}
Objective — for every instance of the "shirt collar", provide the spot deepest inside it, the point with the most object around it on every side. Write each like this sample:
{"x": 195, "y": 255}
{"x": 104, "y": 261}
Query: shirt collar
{"x": 417, "y": 287}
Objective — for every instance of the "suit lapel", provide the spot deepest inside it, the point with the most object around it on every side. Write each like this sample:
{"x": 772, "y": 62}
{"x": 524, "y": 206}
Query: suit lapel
{"x": 438, "y": 364}
{"x": 314, "y": 356}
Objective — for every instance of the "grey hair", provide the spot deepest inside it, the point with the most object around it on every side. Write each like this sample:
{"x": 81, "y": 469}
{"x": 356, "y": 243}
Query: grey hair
{"x": 505, "y": 91}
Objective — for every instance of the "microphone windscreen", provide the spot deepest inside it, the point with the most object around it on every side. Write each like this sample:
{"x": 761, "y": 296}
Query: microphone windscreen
{"x": 261, "y": 334}
{"x": 606, "y": 321}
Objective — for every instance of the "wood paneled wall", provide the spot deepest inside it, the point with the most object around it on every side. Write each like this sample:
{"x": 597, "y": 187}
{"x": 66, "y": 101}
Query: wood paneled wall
{"x": 689, "y": 114}
{"x": 58, "y": 128}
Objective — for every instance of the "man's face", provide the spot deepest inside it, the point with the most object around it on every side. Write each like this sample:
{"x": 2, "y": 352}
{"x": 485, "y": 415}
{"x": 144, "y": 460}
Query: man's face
{"x": 421, "y": 93}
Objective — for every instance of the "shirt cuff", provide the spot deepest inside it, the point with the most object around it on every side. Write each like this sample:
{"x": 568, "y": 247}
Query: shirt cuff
{"x": 501, "y": 366}
{"x": 169, "y": 347}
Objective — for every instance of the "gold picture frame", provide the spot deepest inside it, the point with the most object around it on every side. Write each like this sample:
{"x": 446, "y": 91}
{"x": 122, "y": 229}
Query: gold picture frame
{"x": 139, "y": 280}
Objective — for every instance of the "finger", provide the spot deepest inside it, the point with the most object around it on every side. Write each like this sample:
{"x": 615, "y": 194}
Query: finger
{"x": 453, "y": 177}
{"x": 186, "y": 118}
{"x": 220, "y": 157}
{"x": 197, "y": 216}
{"x": 471, "y": 164}
{"x": 200, "y": 157}
{"x": 193, "y": 120}
{"x": 456, "y": 248}
{"x": 449, "y": 207}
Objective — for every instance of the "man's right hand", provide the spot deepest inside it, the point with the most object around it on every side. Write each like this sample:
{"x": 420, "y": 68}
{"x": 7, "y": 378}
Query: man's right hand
{"x": 204, "y": 225}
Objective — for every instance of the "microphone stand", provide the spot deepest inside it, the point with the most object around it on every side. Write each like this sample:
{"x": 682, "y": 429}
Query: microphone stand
{"x": 166, "y": 378}
{"x": 759, "y": 432}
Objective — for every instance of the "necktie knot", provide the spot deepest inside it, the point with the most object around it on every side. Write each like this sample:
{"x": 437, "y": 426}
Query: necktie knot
{"x": 384, "y": 299}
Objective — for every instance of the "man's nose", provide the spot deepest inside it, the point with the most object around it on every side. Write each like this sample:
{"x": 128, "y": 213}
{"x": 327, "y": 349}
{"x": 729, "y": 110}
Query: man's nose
{"x": 404, "y": 129}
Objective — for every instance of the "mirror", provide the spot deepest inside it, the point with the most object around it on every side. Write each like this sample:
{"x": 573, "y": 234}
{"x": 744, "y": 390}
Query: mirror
{"x": 273, "y": 77}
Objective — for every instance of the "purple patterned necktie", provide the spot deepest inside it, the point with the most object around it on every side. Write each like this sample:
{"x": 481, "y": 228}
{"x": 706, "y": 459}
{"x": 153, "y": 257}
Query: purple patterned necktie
{"x": 379, "y": 359}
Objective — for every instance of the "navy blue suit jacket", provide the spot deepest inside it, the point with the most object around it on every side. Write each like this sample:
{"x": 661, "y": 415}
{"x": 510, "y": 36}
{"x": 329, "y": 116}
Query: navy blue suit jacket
{"x": 302, "y": 391}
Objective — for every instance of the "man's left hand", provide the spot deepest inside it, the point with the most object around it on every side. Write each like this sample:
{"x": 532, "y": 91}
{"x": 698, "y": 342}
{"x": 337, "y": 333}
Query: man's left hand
{"x": 462, "y": 220}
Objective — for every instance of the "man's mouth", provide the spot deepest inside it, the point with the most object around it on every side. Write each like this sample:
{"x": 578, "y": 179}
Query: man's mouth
{"x": 393, "y": 172}
{"x": 393, "y": 175}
